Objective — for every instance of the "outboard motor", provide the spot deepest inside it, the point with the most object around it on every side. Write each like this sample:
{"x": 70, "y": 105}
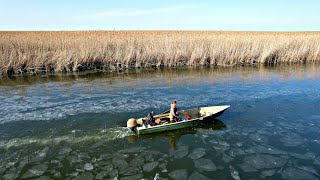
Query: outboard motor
{"x": 132, "y": 124}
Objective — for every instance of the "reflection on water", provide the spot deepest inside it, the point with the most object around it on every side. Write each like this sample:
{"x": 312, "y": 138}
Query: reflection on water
{"x": 192, "y": 75}
{"x": 70, "y": 126}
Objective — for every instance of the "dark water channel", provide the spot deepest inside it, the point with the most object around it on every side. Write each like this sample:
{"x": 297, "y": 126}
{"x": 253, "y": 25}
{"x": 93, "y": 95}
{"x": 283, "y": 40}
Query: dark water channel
{"x": 71, "y": 126}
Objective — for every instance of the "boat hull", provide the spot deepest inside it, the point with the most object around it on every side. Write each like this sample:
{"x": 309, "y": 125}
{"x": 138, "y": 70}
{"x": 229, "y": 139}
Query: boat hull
{"x": 206, "y": 113}
{"x": 170, "y": 127}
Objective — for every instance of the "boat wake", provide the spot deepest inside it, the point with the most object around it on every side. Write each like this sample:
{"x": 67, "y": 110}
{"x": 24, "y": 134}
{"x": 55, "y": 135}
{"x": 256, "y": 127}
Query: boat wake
{"x": 104, "y": 135}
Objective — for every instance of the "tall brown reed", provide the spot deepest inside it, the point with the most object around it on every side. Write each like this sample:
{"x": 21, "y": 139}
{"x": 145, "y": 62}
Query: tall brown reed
{"x": 37, "y": 52}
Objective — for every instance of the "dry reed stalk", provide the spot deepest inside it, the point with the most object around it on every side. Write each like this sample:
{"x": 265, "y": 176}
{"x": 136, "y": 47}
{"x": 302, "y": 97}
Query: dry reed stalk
{"x": 34, "y": 52}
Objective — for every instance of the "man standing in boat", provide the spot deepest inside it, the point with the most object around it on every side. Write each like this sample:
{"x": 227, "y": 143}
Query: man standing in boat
{"x": 173, "y": 112}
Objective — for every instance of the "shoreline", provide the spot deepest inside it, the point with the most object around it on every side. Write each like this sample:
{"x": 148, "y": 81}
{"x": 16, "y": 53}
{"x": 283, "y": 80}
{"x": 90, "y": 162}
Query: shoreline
{"x": 42, "y": 52}
{"x": 168, "y": 73}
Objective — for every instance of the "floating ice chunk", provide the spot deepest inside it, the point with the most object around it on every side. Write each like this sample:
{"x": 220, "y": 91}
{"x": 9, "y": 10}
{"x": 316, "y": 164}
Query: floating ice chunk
{"x": 121, "y": 155}
{"x": 268, "y": 173}
{"x": 265, "y": 132}
{"x": 108, "y": 167}
{"x": 10, "y": 176}
{"x": 309, "y": 169}
{"x": 94, "y": 160}
{"x": 163, "y": 167}
{"x": 180, "y": 174}
{"x": 119, "y": 162}
{"x": 236, "y": 152}
{"x": 80, "y": 170}
{"x": 84, "y": 176}
{"x": 294, "y": 173}
{"x": 197, "y": 176}
{"x": 83, "y": 156}
{"x": 10, "y": 164}
{"x": 214, "y": 141}
{"x": 264, "y": 161}
{"x": 129, "y": 171}
{"x": 221, "y": 148}
{"x": 197, "y": 153}
{"x": 239, "y": 144}
{"x": 150, "y": 166}
{"x": 101, "y": 175}
{"x": 36, "y": 170}
{"x": 148, "y": 158}
{"x": 22, "y": 164}
{"x": 11, "y": 173}
{"x": 247, "y": 167}
{"x": 265, "y": 150}
{"x": 226, "y": 158}
{"x": 88, "y": 167}
{"x": 106, "y": 156}
{"x": 134, "y": 177}
{"x": 73, "y": 159}
{"x": 137, "y": 162}
{"x": 220, "y": 145}
{"x": 223, "y": 143}
{"x": 97, "y": 144}
{"x": 39, "y": 169}
{"x": 65, "y": 150}
{"x": 43, "y": 152}
{"x": 292, "y": 140}
{"x": 181, "y": 152}
{"x": 132, "y": 150}
{"x": 57, "y": 174}
{"x": 54, "y": 162}
{"x": 74, "y": 174}
{"x": 205, "y": 164}
{"x": 306, "y": 156}
{"x": 234, "y": 173}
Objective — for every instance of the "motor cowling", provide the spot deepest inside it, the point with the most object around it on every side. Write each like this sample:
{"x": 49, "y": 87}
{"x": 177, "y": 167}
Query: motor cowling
{"x": 132, "y": 124}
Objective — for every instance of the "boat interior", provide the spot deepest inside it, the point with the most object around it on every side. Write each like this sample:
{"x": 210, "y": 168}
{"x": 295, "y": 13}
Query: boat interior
{"x": 187, "y": 114}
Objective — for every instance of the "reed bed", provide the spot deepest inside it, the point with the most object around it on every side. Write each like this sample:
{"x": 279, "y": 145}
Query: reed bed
{"x": 72, "y": 51}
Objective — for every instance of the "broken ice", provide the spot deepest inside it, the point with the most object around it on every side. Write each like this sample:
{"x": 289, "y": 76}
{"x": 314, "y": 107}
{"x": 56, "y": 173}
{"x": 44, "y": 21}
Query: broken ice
{"x": 150, "y": 166}
{"x": 205, "y": 164}
{"x": 180, "y": 174}
{"x": 197, "y": 153}
{"x": 264, "y": 161}
{"x": 197, "y": 176}
{"x": 234, "y": 173}
{"x": 88, "y": 167}
{"x": 295, "y": 173}
{"x": 36, "y": 170}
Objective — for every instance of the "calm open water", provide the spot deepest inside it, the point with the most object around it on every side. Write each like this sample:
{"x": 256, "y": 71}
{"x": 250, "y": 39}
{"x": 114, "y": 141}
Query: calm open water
{"x": 71, "y": 126}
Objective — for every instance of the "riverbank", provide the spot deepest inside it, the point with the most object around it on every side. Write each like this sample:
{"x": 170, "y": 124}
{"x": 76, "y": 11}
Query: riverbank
{"x": 48, "y": 52}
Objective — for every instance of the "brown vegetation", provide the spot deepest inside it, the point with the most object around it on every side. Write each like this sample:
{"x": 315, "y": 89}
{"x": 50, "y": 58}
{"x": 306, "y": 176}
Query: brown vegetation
{"x": 41, "y": 52}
